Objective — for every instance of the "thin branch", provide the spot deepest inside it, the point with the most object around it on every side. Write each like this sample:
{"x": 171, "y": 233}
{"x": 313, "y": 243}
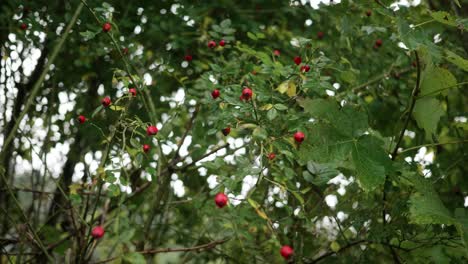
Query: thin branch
{"x": 167, "y": 250}
{"x": 433, "y": 145}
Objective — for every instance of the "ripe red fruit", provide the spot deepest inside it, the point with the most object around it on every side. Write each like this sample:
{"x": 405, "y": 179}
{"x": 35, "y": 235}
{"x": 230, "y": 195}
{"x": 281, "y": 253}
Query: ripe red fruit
{"x": 132, "y": 91}
{"x": 276, "y": 53}
{"x": 151, "y": 130}
{"x": 299, "y": 137}
{"x": 146, "y": 148}
{"x": 81, "y": 119}
{"x": 305, "y": 68}
{"x": 211, "y": 44}
{"x": 125, "y": 51}
{"x": 106, "y": 101}
{"x": 221, "y": 200}
{"x": 226, "y": 131}
{"x": 320, "y": 35}
{"x": 97, "y": 232}
{"x": 271, "y": 156}
{"x": 24, "y": 26}
{"x": 222, "y": 43}
{"x": 297, "y": 60}
{"x": 378, "y": 42}
{"x": 286, "y": 252}
{"x": 106, "y": 27}
{"x": 188, "y": 58}
{"x": 215, "y": 93}
{"x": 368, "y": 13}
{"x": 246, "y": 94}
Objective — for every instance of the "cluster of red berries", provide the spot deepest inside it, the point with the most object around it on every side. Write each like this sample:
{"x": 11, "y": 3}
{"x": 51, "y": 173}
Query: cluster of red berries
{"x": 212, "y": 44}
{"x": 298, "y": 61}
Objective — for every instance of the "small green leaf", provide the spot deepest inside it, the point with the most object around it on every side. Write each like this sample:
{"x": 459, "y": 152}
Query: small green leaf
{"x": 457, "y": 60}
{"x": 260, "y": 133}
{"x": 281, "y": 107}
{"x": 252, "y": 36}
{"x": 272, "y": 114}
{"x": 444, "y": 18}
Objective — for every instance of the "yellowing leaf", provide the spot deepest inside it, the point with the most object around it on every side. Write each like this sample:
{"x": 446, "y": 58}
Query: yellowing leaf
{"x": 74, "y": 188}
{"x": 257, "y": 208}
{"x": 266, "y": 107}
{"x": 335, "y": 246}
{"x": 116, "y": 108}
{"x": 283, "y": 87}
{"x": 291, "y": 89}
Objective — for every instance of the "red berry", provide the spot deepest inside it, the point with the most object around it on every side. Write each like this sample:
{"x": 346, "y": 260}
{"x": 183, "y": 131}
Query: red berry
{"x": 305, "y": 68}
{"x": 106, "y": 101}
{"x": 97, "y": 232}
{"x": 320, "y": 35}
{"x": 378, "y": 42}
{"x": 286, "y": 252}
{"x": 81, "y": 119}
{"x": 132, "y": 91}
{"x": 246, "y": 94}
{"x": 414, "y": 64}
{"x": 222, "y": 43}
{"x": 146, "y": 148}
{"x": 151, "y": 130}
{"x": 226, "y": 131}
{"x": 221, "y": 200}
{"x": 297, "y": 60}
{"x": 271, "y": 156}
{"x": 368, "y": 13}
{"x": 276, "y": 53}
{"x": 125, "y": 51}
{"x": 299, "y": 137}
{"x": 215, "y": 93}
{"x": 106, "y": 27}
{"x": 211, "y": 44}
{"x": 24, "y": 26}
{"x": 188, "y": 57}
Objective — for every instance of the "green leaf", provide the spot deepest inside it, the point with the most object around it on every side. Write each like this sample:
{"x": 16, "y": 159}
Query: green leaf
{"x": 435, "y": 80}
{"x": 272, "y": 114}
{"x": 280, "y": 107}
{"x": 252, "y": 36}
{"x": 444, "y": 18}
{"x": 134, "y": 258}
{"x": 114, "y": 190}
{"x": 260, "y": 133}
{"x": 457, "y": 60}
{"x": 88, "y": 35}
{"x": 427, "y": 113}
{"x": 225, "y": 23}
{"x": 370, "y": 162}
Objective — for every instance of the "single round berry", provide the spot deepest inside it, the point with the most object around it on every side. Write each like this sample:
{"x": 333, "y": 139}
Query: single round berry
{"x": 320, "y": 35}
{"x": 106, "y": 101}
{"x": 24, "y": 26}
{"x": 106, "y": 27}
{"x": 226, "y": 131}
{"x": 151, "y": 130}
{"x": 271, "y": 156}
{"x": 97, "y": 232}
{"x": 81, "y": 119}
{"x": 368, "y": 13}
{"x": 305, "y": 68}
{"x": 247, "y": 94}
{"x": 299, "y": 137}
{"x": 132, "y": 91}
{"x": 286, "y": 252}
{"x": 221, "y": 200}
{"x": 211, "y": 44}
{"x": 188, "y": 58}
{"x": 215, "y": 93}
{"x": 378, "y": 42}
{"x": 297, "y": 60}
{"x": 222, "y": 43}
{"x": 277, "y": 53}
{"x": 146, "y": 148}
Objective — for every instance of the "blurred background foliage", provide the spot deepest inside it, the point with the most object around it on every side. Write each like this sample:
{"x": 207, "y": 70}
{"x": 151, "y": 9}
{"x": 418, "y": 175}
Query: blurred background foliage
{"x": 380, "y": 176}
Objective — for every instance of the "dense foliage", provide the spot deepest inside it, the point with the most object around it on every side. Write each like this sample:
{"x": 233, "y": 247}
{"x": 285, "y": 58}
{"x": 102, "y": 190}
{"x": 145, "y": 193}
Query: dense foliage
{"x": 223, "y": 131}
